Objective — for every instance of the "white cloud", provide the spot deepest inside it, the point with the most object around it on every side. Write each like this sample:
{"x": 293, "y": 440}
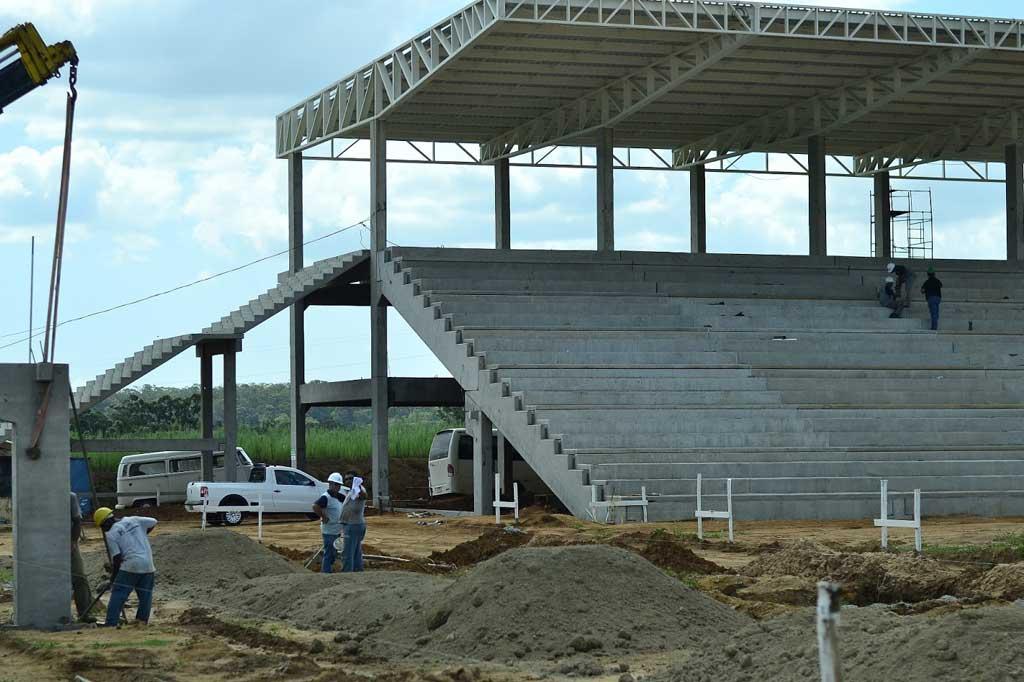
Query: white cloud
{"x": 650, "y": 240}
{"x": 133, "y": 247}
{"x": 758, "y": 214}
{"x": 646, "y": 206}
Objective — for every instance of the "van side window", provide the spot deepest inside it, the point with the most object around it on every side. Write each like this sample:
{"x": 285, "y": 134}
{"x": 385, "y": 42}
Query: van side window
{"x": 465, "y": 447}
{"x": 147, "y": 468}
{"x": 189, "y": 464}
{"x": 439, "y": 447}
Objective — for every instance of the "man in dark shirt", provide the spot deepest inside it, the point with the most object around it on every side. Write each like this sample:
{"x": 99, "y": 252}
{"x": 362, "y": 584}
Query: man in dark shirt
{"x": 904, "y": 282}
{"x": 932, "y": 290}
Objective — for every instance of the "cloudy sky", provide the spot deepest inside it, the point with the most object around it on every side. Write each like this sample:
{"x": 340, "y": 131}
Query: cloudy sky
{"x": 174, "y": 178}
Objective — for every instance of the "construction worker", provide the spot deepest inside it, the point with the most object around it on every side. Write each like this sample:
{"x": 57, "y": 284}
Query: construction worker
{"x": 328, "y": 510}
{"x": 79, "y": 582}
{"x": 887, "y": 296}
{"x": 904, "y": 280}
{"x": 353, "y": 523}
{"x": 131, "y": 562}
{"x": 932, "y": 290}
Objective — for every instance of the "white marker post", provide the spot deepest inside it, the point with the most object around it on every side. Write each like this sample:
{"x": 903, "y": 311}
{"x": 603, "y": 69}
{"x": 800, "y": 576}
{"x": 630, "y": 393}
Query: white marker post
{"x": 499, "y": 505}
{"x": 702, "y": 514}
{"x": 885, "y": 523}
{"x": 828, "y": 632}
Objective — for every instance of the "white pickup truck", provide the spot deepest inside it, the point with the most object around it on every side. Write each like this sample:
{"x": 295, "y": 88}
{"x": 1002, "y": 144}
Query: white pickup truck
{"x": 283, "y": 490}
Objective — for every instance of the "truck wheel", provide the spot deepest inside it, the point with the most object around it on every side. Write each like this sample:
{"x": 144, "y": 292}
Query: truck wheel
{"x": 233, "y": 518}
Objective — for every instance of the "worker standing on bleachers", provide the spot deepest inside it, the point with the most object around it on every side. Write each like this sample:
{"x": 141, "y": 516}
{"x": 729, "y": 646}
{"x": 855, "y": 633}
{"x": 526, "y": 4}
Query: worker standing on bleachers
{"x": 932, "y": 290}
{"x": 904, "y": 280}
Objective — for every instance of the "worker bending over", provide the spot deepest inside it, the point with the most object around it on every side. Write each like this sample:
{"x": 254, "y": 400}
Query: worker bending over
{"x": 328, "y": 509}
{"x": 353, "y": 523}
{"x": 904, "y": 282}
{"x": 131, "y": 560}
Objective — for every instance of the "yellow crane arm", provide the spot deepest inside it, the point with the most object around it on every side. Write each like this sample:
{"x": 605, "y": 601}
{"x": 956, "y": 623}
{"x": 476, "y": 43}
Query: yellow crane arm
{"x": 26, "y": 62}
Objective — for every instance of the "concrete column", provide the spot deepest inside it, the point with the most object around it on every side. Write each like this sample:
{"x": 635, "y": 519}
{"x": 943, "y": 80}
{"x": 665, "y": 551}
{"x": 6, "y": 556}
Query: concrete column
{"x": 1014, "y": 202}
{"x": 39, "y": 493}
{"x": 504, "y": 464}
{"x": 483, "y": 465}
{"x": 206, "y": 409}
{"x": 502, "y": 205}
{"x": 297, "y": 315}
{"x": 230, "y": 417}
{"x": 883, "y": 216}
{"x": 379, "y": 315}
{"x": 605, "y": 190}
{"x": 816, "y": 212}
{"x": 698, "y": 210}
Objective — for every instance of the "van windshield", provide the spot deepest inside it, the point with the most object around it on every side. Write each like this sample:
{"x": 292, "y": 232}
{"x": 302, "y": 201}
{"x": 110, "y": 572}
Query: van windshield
{"x": 439, "y": 447}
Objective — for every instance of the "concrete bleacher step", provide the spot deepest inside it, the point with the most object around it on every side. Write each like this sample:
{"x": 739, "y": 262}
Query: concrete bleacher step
{"x": 639, "y": 368}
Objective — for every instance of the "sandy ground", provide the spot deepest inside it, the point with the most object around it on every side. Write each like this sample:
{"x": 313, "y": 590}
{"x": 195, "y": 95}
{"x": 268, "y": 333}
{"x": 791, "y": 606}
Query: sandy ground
{"x": 181, "y": 644}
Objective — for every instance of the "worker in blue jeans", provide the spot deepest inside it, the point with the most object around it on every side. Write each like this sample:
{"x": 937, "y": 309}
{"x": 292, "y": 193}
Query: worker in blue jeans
{"x": 932, "y": 290}
{"x": 131, "y": 564}
{"x": 353, "y": 523}
{"x": 328, "y": 510}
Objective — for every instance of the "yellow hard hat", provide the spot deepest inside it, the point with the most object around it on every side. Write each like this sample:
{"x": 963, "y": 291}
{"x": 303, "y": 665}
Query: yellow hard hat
{"x": 101, "y": 515}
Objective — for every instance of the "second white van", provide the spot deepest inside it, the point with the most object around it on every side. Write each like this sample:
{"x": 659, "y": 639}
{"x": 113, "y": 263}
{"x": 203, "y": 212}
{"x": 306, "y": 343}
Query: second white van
{"x": 140, "y": 477}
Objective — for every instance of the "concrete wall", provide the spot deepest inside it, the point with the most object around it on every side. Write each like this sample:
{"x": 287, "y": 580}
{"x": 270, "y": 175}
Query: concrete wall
{"x": 42, "y": 528}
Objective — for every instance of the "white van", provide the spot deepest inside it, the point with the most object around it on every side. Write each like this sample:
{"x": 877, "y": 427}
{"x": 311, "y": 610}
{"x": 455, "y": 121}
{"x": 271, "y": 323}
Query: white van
{"x": 139, "y": 477}
{"x": 450, "y": 465}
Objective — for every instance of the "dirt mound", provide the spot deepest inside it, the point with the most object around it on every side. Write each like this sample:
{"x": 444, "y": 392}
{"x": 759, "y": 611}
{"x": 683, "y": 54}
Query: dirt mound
{"x": 196, "y": 559}
{"x": 490, "y": 544}
{"x": 1005, "y": 581}
{"x": 874, "y": 644}
{"x": 866, "y": 578}
{"x": 667, "y": 551}
{"x": 546, "y": 602}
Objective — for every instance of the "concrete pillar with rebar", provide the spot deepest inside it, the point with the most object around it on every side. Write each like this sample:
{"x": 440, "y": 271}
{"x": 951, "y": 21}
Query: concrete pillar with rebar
{"x": 206, "y": 408}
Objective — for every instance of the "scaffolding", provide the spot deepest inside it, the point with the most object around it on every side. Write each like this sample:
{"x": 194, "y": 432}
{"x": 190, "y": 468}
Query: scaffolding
{"x": 911, "y": 223}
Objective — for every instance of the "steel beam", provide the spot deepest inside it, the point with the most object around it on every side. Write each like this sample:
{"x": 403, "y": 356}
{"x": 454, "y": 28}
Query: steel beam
{"x": 148, "y": 445}
{"x": 962, "y": 140}
{"x": 698, "y": 210}
{"x": 402, "y": 392}
{"x": 606, "y": 191}
{"x": 379, "y": 315}
{"x": 296, "y": 316}
{"x": 817, "y": 214}
{"x": 824, "y": 113}
{"x": 1014, "y": 202}
{"x": 376, "y": 88}
{"x": 604, "y": 107}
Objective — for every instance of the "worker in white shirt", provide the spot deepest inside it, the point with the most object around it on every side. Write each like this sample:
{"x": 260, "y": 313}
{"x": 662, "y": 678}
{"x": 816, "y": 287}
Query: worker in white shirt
{"x": 328, "y": 510}
{"x": 131, "y": 562}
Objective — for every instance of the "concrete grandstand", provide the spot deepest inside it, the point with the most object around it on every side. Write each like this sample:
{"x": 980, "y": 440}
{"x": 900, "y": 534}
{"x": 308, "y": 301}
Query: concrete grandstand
{"x": 612, "y": 370}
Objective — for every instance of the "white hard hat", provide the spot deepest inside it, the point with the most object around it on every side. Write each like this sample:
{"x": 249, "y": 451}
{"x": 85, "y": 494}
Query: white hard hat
{"x": 890, "y": 280}
{"x": 890, "y": 267}
{"x": 335, "y": 478}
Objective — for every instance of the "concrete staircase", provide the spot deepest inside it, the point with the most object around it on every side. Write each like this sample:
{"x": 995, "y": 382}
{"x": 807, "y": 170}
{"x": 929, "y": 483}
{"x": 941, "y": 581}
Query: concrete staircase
{"x": 612, "y": 371}
{"x": 291, "y": 287}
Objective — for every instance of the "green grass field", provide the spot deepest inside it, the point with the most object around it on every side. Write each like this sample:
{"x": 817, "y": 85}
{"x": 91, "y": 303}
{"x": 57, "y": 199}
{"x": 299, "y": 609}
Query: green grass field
{"x": 406, "y": 439}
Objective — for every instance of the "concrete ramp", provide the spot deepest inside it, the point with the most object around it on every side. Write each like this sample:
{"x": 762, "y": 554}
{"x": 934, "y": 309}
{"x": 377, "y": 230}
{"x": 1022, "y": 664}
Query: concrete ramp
{"x": 291, "y": 287}
{"x": 612, "y": 371}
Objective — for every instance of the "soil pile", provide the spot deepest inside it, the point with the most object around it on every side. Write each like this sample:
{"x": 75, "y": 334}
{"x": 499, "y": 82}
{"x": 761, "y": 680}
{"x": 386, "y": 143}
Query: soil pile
{"x": 490, "y": 544}
{"x": 198, "y": 558}
{"x": 866, "y": 578}
{"x": 556, "y": 602}
{"x": 874, "y": 644}
{"x": 668, "y": 552}
{"x": 1005, "y": 581}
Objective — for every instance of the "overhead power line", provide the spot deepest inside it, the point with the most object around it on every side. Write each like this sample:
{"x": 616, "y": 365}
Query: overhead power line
{"x": 180, "y": 287}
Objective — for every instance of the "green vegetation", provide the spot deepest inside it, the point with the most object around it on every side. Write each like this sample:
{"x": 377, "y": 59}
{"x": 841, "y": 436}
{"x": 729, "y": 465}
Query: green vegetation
{"x": 407, "y": 438}
{"x": 132, "y": 645}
